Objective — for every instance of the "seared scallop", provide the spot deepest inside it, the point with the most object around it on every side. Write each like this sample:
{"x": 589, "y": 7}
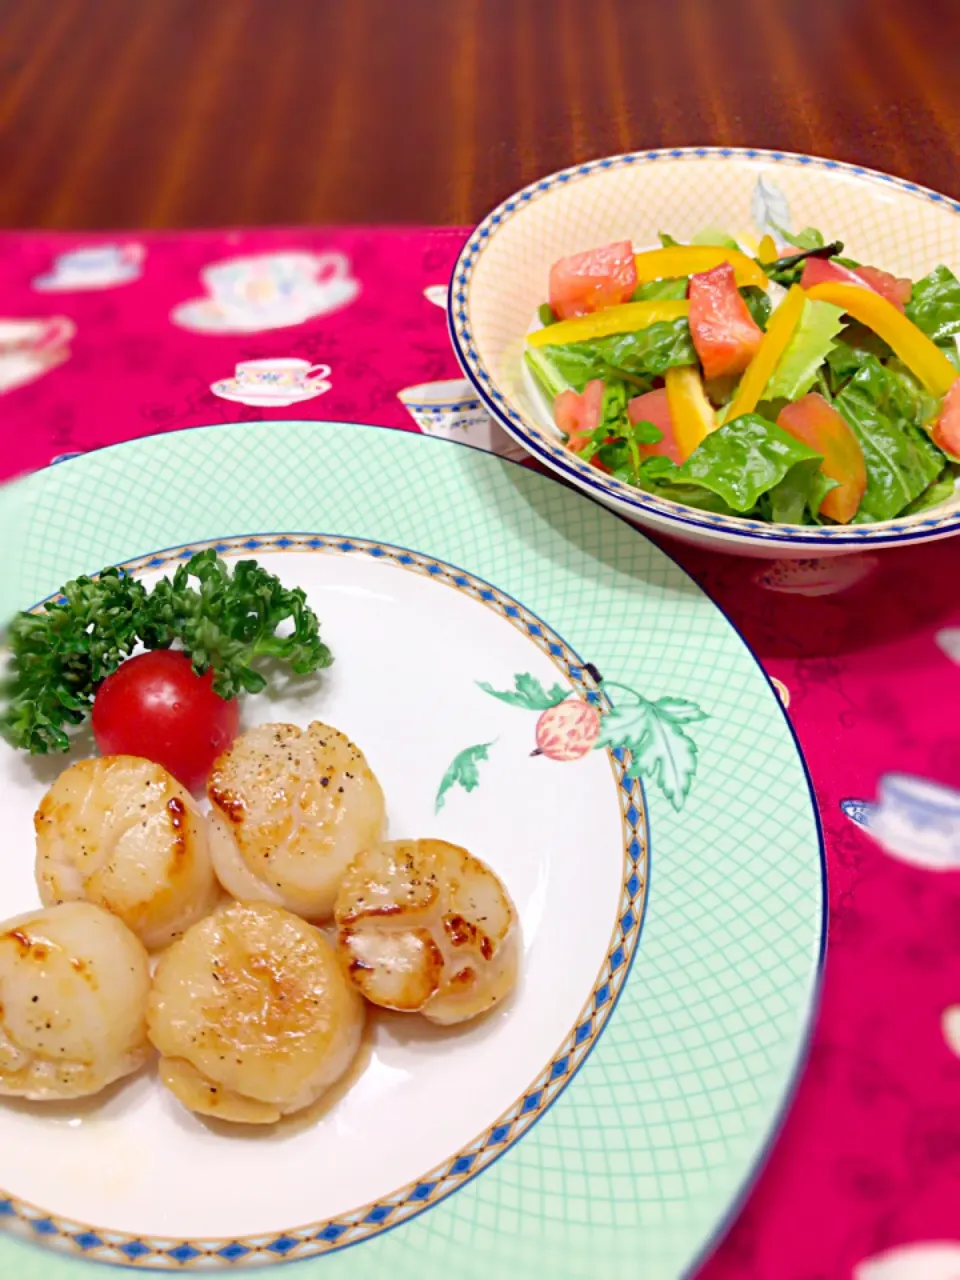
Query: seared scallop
{"x": 291, "y": 808}
{"x": 74, "y": 983}
{"x": 252, "y": 1015}
{"x": 425, "y": 927}
{"x": 123, "y": 833}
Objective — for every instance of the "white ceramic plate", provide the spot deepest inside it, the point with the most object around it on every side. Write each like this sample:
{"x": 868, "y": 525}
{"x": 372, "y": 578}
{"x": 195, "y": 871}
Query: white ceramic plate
{"x": 613, "y": 1109}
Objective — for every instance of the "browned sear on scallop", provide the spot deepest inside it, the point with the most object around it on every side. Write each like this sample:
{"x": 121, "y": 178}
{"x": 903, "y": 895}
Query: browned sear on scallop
{"x": 425, "y": 927}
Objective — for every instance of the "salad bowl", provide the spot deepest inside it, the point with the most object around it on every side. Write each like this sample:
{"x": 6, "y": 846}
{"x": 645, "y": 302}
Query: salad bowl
{"x": 703, "y": 196}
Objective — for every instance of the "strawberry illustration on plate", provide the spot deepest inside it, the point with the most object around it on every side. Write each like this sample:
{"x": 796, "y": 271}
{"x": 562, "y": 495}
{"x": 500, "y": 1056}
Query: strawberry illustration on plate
{"x": 567, "y": 730}
{"x": 650, "y": 734}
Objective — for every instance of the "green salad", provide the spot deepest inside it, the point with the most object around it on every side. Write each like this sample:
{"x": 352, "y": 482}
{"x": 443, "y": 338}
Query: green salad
{"x": 792, "y": 385}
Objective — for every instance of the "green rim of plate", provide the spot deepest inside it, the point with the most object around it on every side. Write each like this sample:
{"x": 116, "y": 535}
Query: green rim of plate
{"x": 636, "y": 1167}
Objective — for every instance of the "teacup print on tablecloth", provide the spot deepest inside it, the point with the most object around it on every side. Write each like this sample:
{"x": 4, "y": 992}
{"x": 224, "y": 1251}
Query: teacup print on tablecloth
{"x": 783, "y": 693}
{"x": 452, "y": 410}
{"x": 274, "y": 382}
{"x": 268, "y": 291}
{"x": 933, "y": 1260}
{"x": 437, "y": 294}
{"x": 916, "y": 820}
{"x": 101, "y": 266}
{"x": 949, "y": 642}
{"x": 31, "y": 348}
{"x": 951, "y": 1032}
{"x": 824, "y": 576}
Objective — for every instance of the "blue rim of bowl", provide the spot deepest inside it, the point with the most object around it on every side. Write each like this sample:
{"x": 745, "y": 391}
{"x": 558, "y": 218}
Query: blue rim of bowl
{"x": 630, "y": 501}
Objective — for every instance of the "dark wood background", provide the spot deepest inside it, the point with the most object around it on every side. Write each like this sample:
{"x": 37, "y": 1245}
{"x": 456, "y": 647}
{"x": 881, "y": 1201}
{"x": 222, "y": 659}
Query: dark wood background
{"x": 175, "y": 113}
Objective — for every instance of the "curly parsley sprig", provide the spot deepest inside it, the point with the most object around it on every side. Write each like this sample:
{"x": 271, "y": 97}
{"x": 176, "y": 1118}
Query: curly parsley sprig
{"x": 224, "y": 621}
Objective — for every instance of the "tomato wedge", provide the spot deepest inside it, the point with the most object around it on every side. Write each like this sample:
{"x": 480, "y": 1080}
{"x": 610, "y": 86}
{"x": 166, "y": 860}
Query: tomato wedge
{"x": 946, "y": 433}
{"x": 577, "y": 415}
{"x": 816, "y": 423}
{"x": 724, "y": 333}
{"x": 653, "y": 406}
{"x": 896, "y": 289}
{"x": 590, "y": 281}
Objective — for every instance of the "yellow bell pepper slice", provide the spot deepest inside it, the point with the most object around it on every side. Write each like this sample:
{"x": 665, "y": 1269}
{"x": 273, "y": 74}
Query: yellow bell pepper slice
{"x": 691, "y": 259}
{"x": 601, "y": 324}
{"x": 691, "y": 413}
{"x": 767, "y": 250}
{"x": 918, "y": 353}
{"x": 757, "y": 374}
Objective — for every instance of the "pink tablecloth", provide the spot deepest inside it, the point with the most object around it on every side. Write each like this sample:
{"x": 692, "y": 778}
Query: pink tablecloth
{"x": 866, "y": 650}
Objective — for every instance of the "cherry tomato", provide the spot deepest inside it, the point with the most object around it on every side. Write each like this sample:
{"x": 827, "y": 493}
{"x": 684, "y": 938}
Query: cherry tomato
{"x": 653, "y": 407}
{"x": 947, "y": 431}
{"x": 816, "y": 423}
{"x": 589, "y": 281}
{"x": 578, "y": 415}
{"x": 725, "y": 334}
{"x": 155, "y": 706}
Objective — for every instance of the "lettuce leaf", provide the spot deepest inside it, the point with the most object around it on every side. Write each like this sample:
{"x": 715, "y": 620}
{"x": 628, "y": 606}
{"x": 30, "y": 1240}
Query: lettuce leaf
{"x": 941, "y": 489}
{"x": 934, "y": 305}
{"x": 649, "y": 352}
{"x": 550, "y": 376}
{"x": 801, "y": 490}
{"x": 744, "y": 459}
{"x": 655, "y": 475}
{"x": 673, "y": 289}
{"x": 715, "y": 236}
{"x": 902, "y": 461}
{"x": 808, "y": 238}
{"x": 813, "y": 340}
{"x": 613, "y": 414}
{"x": 949, "y": 349}
{"x": 636, "y": 357}
{"x": 910, "y": 398}
{"x": 758, "y": 303}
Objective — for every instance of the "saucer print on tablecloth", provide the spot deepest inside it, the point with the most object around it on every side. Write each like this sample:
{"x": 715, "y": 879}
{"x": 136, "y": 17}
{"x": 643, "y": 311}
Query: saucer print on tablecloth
{"x": 98, "y": 267}
{"x": 932, "y": 1260}
{"x": 31, "y": 348}
{"x": 452, "y": 410}
{"x": 274, "y": 383}
{"x": 916, "y": 821}
{"x": 815, "y": 577}
{"x": 268, "y": 291}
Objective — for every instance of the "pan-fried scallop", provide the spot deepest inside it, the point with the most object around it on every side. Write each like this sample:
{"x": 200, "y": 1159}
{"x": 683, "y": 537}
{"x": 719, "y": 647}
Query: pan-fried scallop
{"x": 291, "y": 808}
{"x": 252, "y": 1014}
{"x": 121, "y": 832}
{"x": 74, "y": 983}
{"x": 425, "y": 927}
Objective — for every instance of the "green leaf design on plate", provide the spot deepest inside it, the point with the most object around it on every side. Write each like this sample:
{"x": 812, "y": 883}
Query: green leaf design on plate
{"x": 463, "y": 771}
{"x": 528, "y": 693}
{"x": 661, "y": 748}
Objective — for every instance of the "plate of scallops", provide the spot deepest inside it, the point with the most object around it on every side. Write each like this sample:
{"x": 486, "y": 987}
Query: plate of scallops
{"x": 406, "y": 868}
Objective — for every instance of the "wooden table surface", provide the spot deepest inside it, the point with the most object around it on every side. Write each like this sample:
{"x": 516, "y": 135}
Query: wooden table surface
{"x": 177, "y": 113}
